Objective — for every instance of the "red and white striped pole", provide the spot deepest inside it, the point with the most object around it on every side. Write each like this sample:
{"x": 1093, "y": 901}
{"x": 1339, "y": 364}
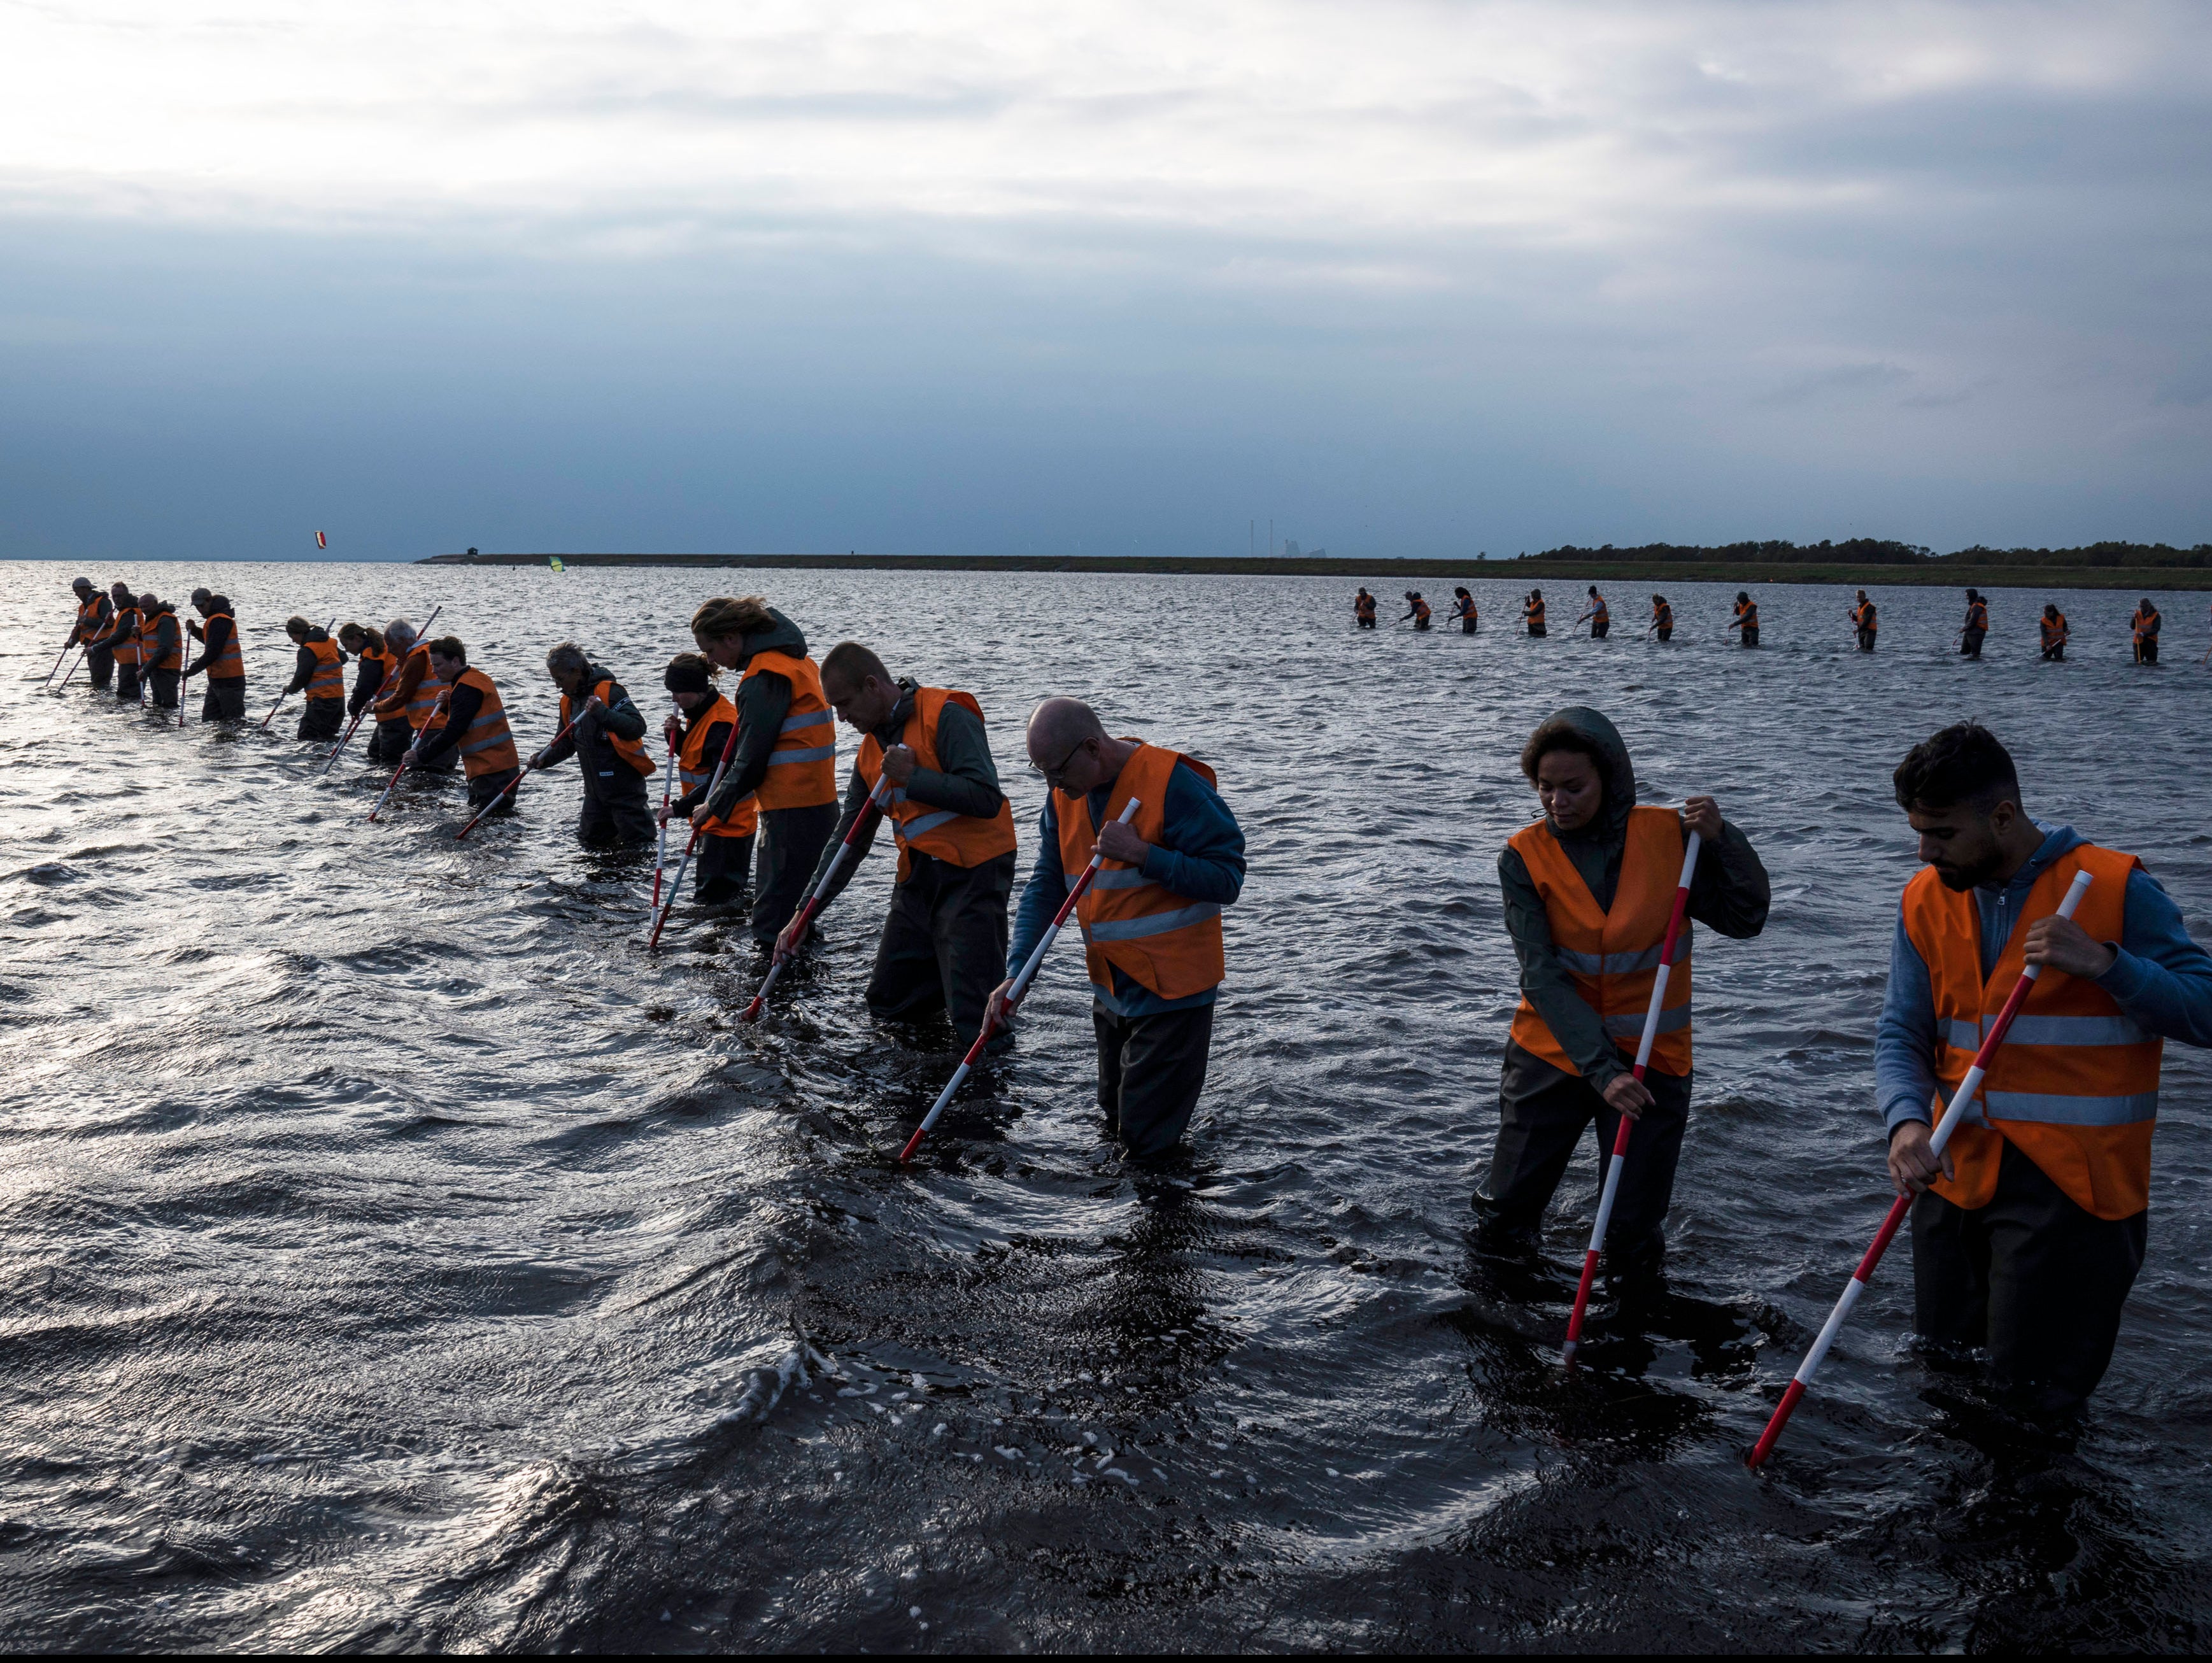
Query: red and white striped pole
{"x": 1075, "y": 893}
{"x": 523, "y": 773}
{"x": 667, "y": 785}
{"x": 1675, "y": 922}
{"x": 660, "y": 918}
{"x": 876, "y": 800}
{"x": 1962, "y": 1100}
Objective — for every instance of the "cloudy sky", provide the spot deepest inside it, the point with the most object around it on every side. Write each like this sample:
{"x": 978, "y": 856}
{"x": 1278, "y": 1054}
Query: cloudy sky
{"x": 965, "y": 277}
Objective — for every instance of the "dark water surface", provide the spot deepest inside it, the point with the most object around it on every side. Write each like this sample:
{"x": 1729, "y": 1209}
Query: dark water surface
{"x": 397, "y": 1257}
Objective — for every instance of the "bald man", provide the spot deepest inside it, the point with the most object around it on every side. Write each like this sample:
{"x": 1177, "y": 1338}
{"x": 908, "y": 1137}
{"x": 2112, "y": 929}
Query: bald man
{"x": 1151, "y": 920}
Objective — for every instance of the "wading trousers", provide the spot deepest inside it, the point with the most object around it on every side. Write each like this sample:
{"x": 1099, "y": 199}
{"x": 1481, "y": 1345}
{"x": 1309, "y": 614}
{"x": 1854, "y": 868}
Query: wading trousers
{"x": 1750, "y": 633}
{"x": 164, "y": 683}
{"x": 1541, "y": 1114}
{"x": 2147, "y": 650}
{"x": 791, "y": 841}
{"x": 1536, "y": 628}
{"x": 721, "y": 867}
{"x": 943, "y": 946}
{"x": 1866, "y": 640}
{"x": 1151, "y": 1069}
{"x": 1600, "y": 628}
{"x": 322, "y": 719}
{"x": 485, "y": 787}
{"x": 100, "y": 661}
{"x": 615, "y": 811}
{"x": 224, "y": 700}
{"x": 127, "y": 683}
{"x": 1970, "y": 643}
{"x": 2033, "y": 1277}
{"x": 388, "y": 741}
{"x": 1466, "y": 626}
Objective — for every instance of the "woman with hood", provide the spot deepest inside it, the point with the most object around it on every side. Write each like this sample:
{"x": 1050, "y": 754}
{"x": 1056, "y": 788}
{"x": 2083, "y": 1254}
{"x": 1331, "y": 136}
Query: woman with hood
{"x": 1588, "y": 892}
{"x": 786, "y": 752}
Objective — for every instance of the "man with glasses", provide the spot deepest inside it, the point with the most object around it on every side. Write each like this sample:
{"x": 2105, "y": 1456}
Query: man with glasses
{"x": 1151, "y": 920}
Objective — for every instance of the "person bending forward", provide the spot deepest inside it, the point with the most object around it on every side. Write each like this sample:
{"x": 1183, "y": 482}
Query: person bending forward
{"x": 604, "y": 741}
{"x": 944, "y": 945}
{"x": 474, "y": 728}
{"x": 722, "y": 857}
{"x": 1587, "y": 891}
{"x": 1152, "y": 918}
{"x": 2028, "y": 1232}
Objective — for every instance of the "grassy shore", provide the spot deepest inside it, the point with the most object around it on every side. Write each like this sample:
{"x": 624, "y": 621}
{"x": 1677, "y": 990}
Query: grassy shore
{"x": 1533, "y": 572}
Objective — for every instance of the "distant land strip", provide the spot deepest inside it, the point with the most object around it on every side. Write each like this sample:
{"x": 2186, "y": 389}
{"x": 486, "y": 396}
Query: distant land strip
{"x": 1857, "y": 565}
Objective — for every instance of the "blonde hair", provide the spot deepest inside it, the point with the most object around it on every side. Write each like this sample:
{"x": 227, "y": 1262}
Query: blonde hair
{"x": 724, "y": 617}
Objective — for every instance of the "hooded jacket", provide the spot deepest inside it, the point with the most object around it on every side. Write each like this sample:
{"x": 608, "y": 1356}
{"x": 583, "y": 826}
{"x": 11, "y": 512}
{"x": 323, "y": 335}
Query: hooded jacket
{"x": 1729, "y": 893}
{"x": 605, "y": 774}
{"x": 763, "y": 703}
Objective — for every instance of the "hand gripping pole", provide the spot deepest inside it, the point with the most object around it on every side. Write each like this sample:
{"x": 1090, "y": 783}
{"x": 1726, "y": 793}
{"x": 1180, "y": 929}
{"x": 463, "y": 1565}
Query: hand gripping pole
{"x": 1675, "y": 924}
{"x": 877, "y": 799}
{"x": 1075, "y": 893}
{"x": 729, "y": 749}
{"x": 1962, "y": 1100}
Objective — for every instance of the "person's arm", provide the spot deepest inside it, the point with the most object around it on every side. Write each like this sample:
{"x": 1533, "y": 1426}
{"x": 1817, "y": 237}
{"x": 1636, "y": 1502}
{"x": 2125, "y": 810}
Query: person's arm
{"x": 1041, "y": 895}
{"x": 2161, "y": 978}
{"x": 1730, "y": 890}
{"x": 1200, "y": 853}
{"x": 364, "y": 690}
{"x": 1544, "y": 981}
{"x": 718, "y": 735}
{"x": 967, "y": 783}
{"x": 763, "y": 700}
{"x": 303, "y": 670}
{"x": 856, "y": 802}
{"x": 463, "y": 702}
{"x": 621, "y": 717}
{"x": 564, "y": 743}
{"x": 167, "y": 636}
{"x": 391, "y": 704}
{"x": 1905, "y": 1083}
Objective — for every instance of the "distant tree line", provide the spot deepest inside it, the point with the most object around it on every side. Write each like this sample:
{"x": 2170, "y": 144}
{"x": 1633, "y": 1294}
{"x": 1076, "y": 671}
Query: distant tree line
{"x": 1881, "y": 551}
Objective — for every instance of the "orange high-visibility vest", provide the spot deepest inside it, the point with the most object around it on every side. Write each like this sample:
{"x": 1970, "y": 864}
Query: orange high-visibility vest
{"x": 421, "y": 709}
{"x": 1533, "y": 611}
{"x": 1978, "y": 614}
{"x": 960, "y": 840}
{"x": 802, "y": 769}
{"x": 155, "y": 654}
{"x": 1863, "y": 615}
{"x": 1420, "y": 611}
{"x": 1747, "y": 613}
{"x": 1613, "y": 956}
{"x": 1365, "y": 606}
{"x": 632, "y": 751}
{"x": 1167, "y": 944}
{"x": 487, "y": 743}
{"x": 88, "y": 617}
{"x": 2075, "y": 1083}
{"x": 1599, "y": 614}
{"x": 328, "y": 679}
{"x": 381, "y": 658}
{"x": 230, "y": 664}
{"x": 2054, "y": 631}
{"x": 2145, "y": 623}
{"x": 123, "y": 638}
{"x": 696, "y": 768}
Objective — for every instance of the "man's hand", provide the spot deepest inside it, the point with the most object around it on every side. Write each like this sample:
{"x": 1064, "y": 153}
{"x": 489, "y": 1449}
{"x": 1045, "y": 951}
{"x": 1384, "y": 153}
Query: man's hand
{"x": 1912, "y": 1168}
{"x": 1626, "y": 1094}
{"x": 412, "y": 759}
{"x": 662, "y": 813}
{"x": 2064, "y": 945}
{"x": 700, "y": 816}
{"x": 898, "y": 766}
{"x": 997, "y": 1012}
{"x": 537, "y": 761}
{"x": 786, "y": 943}
{"x": 1117, "y": 842}
{"x": 1701, "y": 815}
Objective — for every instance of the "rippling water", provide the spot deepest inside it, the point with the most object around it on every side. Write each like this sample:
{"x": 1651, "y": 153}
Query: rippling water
{"x": 396, "y": 1256}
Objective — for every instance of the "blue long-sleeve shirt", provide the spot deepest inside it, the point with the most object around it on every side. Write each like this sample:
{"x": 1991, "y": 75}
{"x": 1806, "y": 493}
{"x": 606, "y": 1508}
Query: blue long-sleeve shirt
{"x": 1199, "y": 856}
{"x": 2161, "y": 978}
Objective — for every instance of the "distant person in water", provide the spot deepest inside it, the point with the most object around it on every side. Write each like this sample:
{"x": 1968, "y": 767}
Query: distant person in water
{"x": 1463, "y": 611}
{"x": 1864, "y": 621}
{"x": 2145, "y": 624}
{"x": 1416, "y": 609}
{"x": 1976, "y": 626}
{"x": 1663, "y": 618}
{"x": 1532, "y": 612}
{"x": 319, "y": 671}
{"x": 1600, "y": 616}
{"x": 2053, "y": 627}
{"x": 1747, "y": 618}
{"x": 2029, "y": 1228}
{"x": 1588, "y": 890}
{"x": 1152, "y": 920}
{"x": 1362, "y": 609}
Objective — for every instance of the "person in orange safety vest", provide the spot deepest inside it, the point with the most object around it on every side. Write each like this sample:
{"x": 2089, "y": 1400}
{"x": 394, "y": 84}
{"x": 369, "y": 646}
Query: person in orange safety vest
{"x": 786, "y": 749}
{"x": 319, "y": 671}
{"x": 409, "y": 700}
{"x": 2144, "y": 628}
{"x": 944, "y": 941}
{"x": 1151, "y": 920}
{"x": 607, "y": 741}
{"x": 1587, "y": 891}
{"x": 118, "y": 639}
{"x": 474, "y": 728}
{"x": 722, "y": 857}
{"x": 2027, "y": 1234}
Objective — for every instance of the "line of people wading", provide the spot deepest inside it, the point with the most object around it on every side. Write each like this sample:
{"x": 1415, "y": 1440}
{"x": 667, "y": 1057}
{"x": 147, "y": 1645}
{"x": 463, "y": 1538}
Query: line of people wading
{"x": 1743, "y": 620}
{"x": 2028, "y": 1229}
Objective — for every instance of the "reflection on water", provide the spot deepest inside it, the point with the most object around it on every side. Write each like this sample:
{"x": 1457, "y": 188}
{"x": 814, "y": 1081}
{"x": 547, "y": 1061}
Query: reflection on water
{"x": 398, "y": 1257}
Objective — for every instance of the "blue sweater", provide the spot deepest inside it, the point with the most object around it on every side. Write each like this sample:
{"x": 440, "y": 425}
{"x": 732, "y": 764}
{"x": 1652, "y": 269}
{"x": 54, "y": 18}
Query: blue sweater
{"x": 2162, "y": 980}
{"x": 1200, "y": 856}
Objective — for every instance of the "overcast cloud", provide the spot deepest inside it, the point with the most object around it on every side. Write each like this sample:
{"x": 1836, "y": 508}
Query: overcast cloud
{"x": 1411, "y": 279}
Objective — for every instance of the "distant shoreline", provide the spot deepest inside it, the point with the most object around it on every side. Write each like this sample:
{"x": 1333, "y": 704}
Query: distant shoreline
{"x": 1935, "y": 572}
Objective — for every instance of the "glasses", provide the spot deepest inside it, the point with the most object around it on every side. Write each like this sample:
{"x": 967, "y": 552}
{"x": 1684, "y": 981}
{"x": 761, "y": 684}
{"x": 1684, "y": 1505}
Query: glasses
{"x": 1052, "y": 774}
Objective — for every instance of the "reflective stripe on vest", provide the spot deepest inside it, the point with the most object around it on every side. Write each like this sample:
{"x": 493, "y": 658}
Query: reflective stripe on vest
{"x": 1166, "y": 943}
{"x": 124, "y": 646}
{"x": 802, "y": 769}
{"x": 632, "y": 751}
{"x": 157, "y": 655}
{"x": 696, "y": 768}
{"x": 486, "y": 744}
{"x": 229, "y": 664}
{"x": 959, "y": 840}
{"x": 1613, "y": 956}
{"x": 422, "y": 704}
{"x": 2074, "y": 1085}
{"x": 328, "y": 681}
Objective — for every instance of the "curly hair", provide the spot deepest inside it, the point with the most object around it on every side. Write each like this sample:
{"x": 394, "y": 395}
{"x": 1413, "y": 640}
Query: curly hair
{"x": 726, "y": 616}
